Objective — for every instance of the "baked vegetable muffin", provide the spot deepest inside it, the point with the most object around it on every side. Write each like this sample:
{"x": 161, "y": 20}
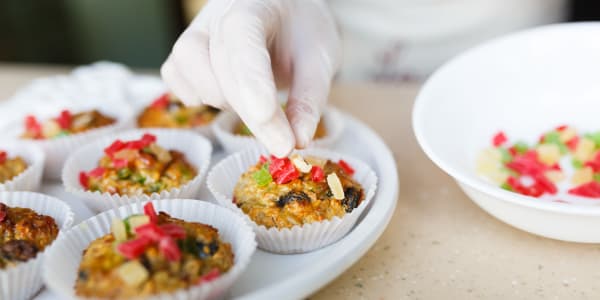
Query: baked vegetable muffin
{"x": 23, "y": 233}
{"x": 150, "y": 254}
{"x": 65, "y": 124}
{"x": 242, "y": 129}
{"x": 283, "y": 193}
{"x": 169, "y": 112}
{"x": 10, "y": 167}
{"x": 138, "y": 167}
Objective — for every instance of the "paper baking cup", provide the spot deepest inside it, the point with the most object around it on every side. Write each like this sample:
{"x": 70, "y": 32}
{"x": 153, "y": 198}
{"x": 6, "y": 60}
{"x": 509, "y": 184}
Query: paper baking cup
{"x": 224, "y": 176}
{"x": 57, "y": 150}
{"x": 30, "y": 179}
{"x": 224, "y": 126}
{"x": 24, "y": 280}
{"x": 204, "y": 130}
{"x": 61, "y": 265}
{"x": 196, "y": 148}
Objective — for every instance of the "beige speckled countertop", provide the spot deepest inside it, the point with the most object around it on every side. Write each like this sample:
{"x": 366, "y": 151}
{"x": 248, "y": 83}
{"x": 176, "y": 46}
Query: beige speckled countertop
{"x": 439, "y": 244}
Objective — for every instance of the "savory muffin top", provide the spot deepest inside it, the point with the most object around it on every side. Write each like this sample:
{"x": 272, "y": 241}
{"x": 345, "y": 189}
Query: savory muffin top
{"x": 65, "y": 124}
{"x": 10, "y": 166}
{"x": 288, "y": 192}
{"x": 151, "y": 254}
{"x": 169, "y": 112}
{"x": 23, "y": 233}
{"x": 138, "y": 167}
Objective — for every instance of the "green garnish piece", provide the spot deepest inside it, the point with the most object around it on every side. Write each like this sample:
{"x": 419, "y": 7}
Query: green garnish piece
{"x": 124, "y": 173}
{"x": 147, "y": 150}
{"x": 506, "y": 157}
{"x": 597, "y": 177}
{"x": 155, "y": 187}
{"x": 181, "y": 119}
{"x": 506, "y": 186}
{"x": 577, "y": 164}
{"x": 521, "y": 147}
{"x": 553, "y": 137}
{"x": 139, "y": 178}
{"x": 262, "y": 176}
{"x": 62, "y": 133}
{"x": 594, "y": 136}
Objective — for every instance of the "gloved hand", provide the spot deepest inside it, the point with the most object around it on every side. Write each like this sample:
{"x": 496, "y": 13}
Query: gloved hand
{"x": 236, "y": 52}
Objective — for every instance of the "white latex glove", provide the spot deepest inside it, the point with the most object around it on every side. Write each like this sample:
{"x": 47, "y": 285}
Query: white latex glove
{"x": 236, "y": 52}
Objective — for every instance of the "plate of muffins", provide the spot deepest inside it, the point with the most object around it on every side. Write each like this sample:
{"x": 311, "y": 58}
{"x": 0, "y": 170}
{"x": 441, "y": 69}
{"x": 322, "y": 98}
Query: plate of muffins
{"x": 148, "y": 198}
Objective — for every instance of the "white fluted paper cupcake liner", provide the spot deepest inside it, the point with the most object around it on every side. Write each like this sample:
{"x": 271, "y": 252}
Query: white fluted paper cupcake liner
{"x": 30, "y": 179}
{"x": 224, "y": 176}
{"x": 61, "y": 265}
{"x": 24, "y": 280}
{"x": 224, "y": 126}
{"x": 57, "y": 150}
{"x": 196, "y": 148}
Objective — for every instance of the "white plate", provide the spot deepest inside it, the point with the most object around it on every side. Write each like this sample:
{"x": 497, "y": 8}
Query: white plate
{"x": 271, "y": 276}
{"x": 523, "y": 84}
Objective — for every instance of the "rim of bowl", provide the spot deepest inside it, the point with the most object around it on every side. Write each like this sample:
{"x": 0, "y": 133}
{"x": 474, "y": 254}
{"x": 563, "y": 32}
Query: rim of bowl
{"x": 423, "y": 99}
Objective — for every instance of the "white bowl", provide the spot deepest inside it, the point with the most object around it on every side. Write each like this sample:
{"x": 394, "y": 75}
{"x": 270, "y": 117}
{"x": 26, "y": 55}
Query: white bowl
{"x": 524, "y": 84}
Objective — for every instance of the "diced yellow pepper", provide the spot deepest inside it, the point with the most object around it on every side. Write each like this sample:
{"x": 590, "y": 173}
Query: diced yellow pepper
{"x": 555, "y": 176}
{"x": 489, "y": 161}
{"x": 548, "y": 154}
{"x": 133, "y": 273}
{"x": 583, "y": 175}
{"x": 584, "y": 150}
{"x": 567, "y": 134}
{"x": 118, "y": 230}
{"x": 51, "y": 129}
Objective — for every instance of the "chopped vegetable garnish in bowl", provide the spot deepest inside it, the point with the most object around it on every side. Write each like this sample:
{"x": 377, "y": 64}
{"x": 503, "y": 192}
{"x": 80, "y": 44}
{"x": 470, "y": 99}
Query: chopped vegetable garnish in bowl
{"x": 514, "y": 122}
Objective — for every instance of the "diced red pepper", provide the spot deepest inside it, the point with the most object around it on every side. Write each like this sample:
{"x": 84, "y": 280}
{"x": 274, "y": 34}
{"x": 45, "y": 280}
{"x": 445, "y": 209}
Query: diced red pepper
{"x": 115, "y": 147}
{"x": 556, "y": 167}
{"x": 545, "y": 184}
{"x": 572, "y": 143}
{"x": 282, "y": 170}
{"x": 534, "y": 190}
{"x": 161, "y": 102}
{"x": 97, "y": 172}
{"x": 499, "y": 139}
{"x": 150, "y": 231}
{"x": 169, "y": 249}
{"x": 210, "y": 276}
{"x": 148, "y": 139}
{"x": 317, "y": 174}
{"x": 64, "y": 119}
{"x": 588, "y": 190}
{"x": 173, "y": 230}
{"x": 594, "y": 163}
{"x": 347, "y": 168}
{"x": 150, "y": 212}
{"x": 3, "y": 156}
{"x": 562, "y": 127}
{"x": 527, "y": 164}
{"x": 84, "y": 180}
{"x": 120, "y": 163}
{"x": 262, "y": 159}
{"x": 513, "y": 151}
{"x": 134, "y": 248}
{"x": 33, "y": 126}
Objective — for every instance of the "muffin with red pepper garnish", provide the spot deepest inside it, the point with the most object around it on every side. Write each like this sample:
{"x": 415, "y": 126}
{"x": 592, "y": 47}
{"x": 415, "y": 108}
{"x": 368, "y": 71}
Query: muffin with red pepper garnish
{"x": 297, "y": 203}
{"x": 169, "y": 112}
{"x": 138, "y": 167}
{"x": 288, "y": 192}
{"x": 23, "y": 233}
{"x": 65, "y": 124}
{"x": 151, "y": 254}
{"x": 10, "y": 167}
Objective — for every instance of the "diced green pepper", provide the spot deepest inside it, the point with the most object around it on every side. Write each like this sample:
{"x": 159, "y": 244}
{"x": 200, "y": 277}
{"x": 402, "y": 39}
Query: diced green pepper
{"x": 594, "y": 136}
{"x": 553, "y": 137}
{"x": 139, "y": 178}
{"x": 181, "y": 119}
{"x": 262, "y": 176}
{"x": 597, "y": 177}
{"x": 155, "y": 187}
{"x": 521, "y": 147}
{"x": 506, "y": 186}
{"x": 577, "y": 164}
{"x": 124, "y": 173}
{"x": 506, "y": 157}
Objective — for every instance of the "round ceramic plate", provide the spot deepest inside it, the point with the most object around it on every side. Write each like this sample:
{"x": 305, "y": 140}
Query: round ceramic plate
{"x": 297, "y": 276}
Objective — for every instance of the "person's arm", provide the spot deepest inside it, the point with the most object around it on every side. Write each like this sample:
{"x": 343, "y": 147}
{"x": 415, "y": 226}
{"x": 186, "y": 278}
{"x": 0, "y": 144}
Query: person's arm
{"x": 235, "y": 53}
